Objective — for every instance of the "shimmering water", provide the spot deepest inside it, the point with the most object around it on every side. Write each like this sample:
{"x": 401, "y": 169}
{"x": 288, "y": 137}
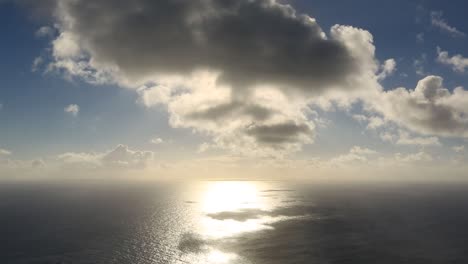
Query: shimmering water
{"x": 233, "y": 222}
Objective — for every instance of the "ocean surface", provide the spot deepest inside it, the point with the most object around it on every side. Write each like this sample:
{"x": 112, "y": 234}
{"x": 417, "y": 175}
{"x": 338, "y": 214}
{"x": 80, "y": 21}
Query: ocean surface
{"x": 233, "y": 222}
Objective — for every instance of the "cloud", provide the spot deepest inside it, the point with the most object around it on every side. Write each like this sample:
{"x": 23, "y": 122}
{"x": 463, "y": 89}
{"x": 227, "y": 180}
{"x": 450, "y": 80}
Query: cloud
{"x": 359, "y": 159}
{"x": 38, "y": 163}
{"x": 360, "y": 118}
{"x": 375, "y": 122}
{"x": 4, "y": 152}
{"x": 362, "y": 151}
{"x": 420, "y": 37}
{"x": 439, "y": 22}
{"x": 402, "y": 137}
{"x": 72, "y": 109}
{"x": 45, "y": 32}
{"x": 121, "y": 157}
{"x": 391, "y": 134}
{"x": 156, "y": 141}
{"x": 355, "y": 155}
{"x": 242, "y": 72}
{"x": 280, "y": 132}
{"x": 419, "y": 63}
{"x": 429, "y": 109}
{"x": 406, "y": 139}
{"x": 387, "y": 69}
{"x": 38, "y": 61}
{"x": 459, "y": 149}
{"x": 457, "y": 62}
{"x": 387, "y": 136}
{"x": 8, "y": 164}
{"x": 178, "y": 38}
{"x": 414, "y": 157}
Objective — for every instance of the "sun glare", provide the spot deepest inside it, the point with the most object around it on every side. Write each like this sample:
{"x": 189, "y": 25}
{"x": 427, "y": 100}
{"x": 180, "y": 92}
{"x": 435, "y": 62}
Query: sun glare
{"x": 231, "y": 196}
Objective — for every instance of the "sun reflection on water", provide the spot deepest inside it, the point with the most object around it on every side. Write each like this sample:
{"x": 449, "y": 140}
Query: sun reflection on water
{"x": 228, "y": 209}
{"x": 231, "y": 196}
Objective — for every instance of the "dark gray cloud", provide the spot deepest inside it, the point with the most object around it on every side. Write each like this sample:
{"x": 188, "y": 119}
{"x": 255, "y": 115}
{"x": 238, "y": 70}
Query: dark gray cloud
{"x": 287, "y": 132}
{"x": 234, "y": 108}
{"x": 248, "y": 42}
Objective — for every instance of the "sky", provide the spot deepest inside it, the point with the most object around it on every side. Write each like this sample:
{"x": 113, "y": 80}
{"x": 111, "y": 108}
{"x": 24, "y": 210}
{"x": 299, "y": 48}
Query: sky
{"x": 247, "y": 88}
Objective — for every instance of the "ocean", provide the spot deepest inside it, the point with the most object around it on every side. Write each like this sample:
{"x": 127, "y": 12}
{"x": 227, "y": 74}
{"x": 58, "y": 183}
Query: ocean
{"x": 233, "y": 222}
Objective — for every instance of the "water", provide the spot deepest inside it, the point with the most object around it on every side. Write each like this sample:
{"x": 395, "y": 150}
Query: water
{"x": 233, "y": 222}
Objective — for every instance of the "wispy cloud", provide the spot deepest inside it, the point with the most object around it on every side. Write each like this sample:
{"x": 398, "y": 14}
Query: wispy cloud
{"x": 4, "y": 152}
{"x": 459, "y": 149}
{"x": 439, "y": 22}
{"x": 406, "y": 139}
{"x": 121, "y": 157}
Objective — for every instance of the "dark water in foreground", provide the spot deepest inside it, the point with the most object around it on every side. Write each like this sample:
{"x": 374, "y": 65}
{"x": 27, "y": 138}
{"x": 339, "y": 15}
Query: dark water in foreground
{"x": 233, "y": 222}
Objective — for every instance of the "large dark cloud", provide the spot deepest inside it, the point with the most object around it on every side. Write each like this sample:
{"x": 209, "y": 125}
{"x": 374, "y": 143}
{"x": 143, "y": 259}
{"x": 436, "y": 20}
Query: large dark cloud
{"x": 248, "y": 42}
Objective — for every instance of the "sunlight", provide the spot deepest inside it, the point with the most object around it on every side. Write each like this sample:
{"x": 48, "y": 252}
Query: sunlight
{"x": 216, "y": 256}
{"x": 231, "y": 196}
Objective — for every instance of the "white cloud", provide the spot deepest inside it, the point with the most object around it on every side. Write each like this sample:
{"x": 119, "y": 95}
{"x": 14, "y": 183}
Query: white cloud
{"x": 414, "y": 158}
{"x": 4, "y": 152}
{"x": 457, "y": 62}
{"x": 355, "y": 155}
{"x": 439, "y": 22}
{"x": 429, "y": 109}
{"x": 375, "y": 122}
{"x": 38, "y": 61}
{"x": 38, "y": 163}
{"x": 156, "y": 141}
{"x": 420, "y": 37}
{"x": 203, "y": 147}
{"x": 72, "y": 109}
{"x": 360, "y": 158}
{"x": 387, "y": 69}
{"x": 387, "y": 137}
{"x": 122, "y": 157}
{"x": 406, "y": 139}
{"x": 419, "y": 63}
{"x": 362, "y": 151}
{"x": 459, "y": 149}
{"x": 24, "y": 166}
{"x": 45, "y": 31}
{"x": 360, "y": 118}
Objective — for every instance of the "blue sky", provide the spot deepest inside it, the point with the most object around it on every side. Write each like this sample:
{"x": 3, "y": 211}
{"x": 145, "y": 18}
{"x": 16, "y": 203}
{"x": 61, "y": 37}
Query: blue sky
{"x": 34, "y": 125}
